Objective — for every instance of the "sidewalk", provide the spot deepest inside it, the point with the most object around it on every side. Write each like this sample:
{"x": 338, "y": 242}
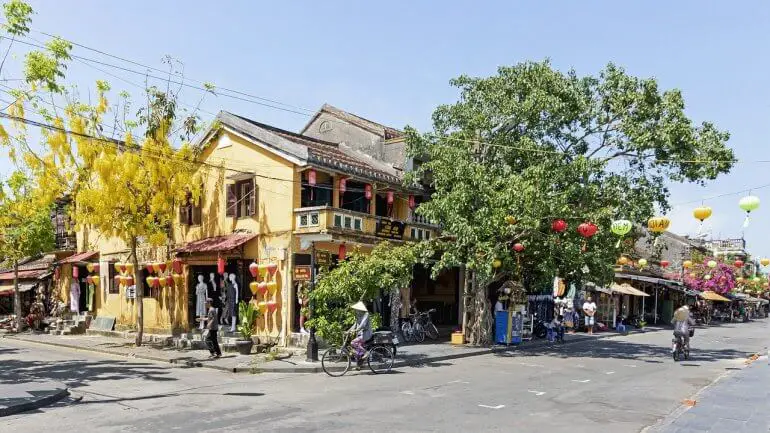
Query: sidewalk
{"x": 429, "y": 354}
{"x": 23, "y": 396}
{"x": 737, "y": 403}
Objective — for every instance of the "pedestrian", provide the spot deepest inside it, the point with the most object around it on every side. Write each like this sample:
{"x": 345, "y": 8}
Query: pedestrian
{"x": 212, "y": 326}
{"x": 589, "y": 308}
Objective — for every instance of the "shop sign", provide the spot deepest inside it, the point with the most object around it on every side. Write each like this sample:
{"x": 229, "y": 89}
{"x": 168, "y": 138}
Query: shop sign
{"x": 131, "y": 292}
{"x": 302, "y": 273}
{"x": 389, "y": 229}
{"x": 323, "y": 258}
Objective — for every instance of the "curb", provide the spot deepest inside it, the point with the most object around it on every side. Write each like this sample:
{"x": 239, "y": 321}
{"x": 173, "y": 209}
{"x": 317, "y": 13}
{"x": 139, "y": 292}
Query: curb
{"x": 36, "y": 404}
{"x": 184, "y": 363}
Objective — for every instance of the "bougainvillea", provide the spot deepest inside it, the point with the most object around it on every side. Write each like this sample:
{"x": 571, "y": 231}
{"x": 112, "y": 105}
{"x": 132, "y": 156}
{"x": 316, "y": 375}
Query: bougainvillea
{"x": 720, "y": 279}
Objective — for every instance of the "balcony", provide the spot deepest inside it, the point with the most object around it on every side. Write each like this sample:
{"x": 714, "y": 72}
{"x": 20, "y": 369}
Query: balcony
{"x": 327, "y": 219}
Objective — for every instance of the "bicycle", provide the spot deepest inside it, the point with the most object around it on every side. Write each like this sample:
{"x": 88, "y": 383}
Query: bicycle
{"x": 336, "y": 361}
{"x": 427, "y": 324}
{"x": 680, "y": 349}
{"x": 412, "y": 329}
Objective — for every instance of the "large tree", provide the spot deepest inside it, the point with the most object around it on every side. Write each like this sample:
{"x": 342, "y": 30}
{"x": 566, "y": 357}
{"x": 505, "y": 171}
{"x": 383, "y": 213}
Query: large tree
{"x": 530, "y": 145}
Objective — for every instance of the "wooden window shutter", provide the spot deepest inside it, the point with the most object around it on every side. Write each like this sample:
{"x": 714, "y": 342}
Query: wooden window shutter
{"x": 196, "y": 215}
{"x": 253, "y": 198}
{"x": 183, "y": 215}
{"x": 232, "y": 200}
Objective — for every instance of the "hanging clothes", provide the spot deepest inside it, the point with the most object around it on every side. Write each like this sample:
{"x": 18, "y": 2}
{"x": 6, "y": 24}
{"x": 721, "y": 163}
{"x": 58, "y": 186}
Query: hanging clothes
{"x": 90, "y": 297}
{"x": 75, "y": 297}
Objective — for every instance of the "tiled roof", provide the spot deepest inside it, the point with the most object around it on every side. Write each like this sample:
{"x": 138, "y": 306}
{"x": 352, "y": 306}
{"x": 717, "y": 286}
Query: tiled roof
{"x": 313, "y": 151}
{"x": 217, "y": 244}
{"x": 383, "y": 131}
{"x": 79, "y": 257}
{"x": 24, "y": 275}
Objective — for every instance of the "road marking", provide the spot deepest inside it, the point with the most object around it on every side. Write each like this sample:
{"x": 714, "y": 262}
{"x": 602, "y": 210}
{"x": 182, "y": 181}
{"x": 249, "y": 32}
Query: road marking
{"x": 526, "y": 364}
{"x": 499, "y": 406}
{"x": 537, "y": 393}
{"x": 610, "y": 372}
{"x": 407, "y": 392}
{"x": 581, "y": 381}
{"x": 630, "y": 366}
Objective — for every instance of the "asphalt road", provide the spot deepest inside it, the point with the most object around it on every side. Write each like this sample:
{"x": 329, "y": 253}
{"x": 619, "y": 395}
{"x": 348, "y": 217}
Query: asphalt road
{"x": 613, "y": 385}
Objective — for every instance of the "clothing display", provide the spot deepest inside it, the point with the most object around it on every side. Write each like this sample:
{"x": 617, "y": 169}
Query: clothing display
{"x": 90, "y": 297}
{"x": 75, "y": 297}
{"x": 541, "y": 306}
{"x": 230, "y": 298}
{"x": 200, "y": 297}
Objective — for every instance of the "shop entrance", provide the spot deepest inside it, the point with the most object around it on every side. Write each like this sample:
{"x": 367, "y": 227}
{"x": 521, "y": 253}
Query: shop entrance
{"x": 214, "y": 289}
{"x": 441, "y": 294}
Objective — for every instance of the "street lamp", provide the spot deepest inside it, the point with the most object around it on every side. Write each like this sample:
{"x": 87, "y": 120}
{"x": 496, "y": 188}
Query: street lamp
{"x": 312, "y": 344}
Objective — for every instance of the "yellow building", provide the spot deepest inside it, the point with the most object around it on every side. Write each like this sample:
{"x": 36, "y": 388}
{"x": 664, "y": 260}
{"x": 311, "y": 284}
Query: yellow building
{"x": 269, "y": 196}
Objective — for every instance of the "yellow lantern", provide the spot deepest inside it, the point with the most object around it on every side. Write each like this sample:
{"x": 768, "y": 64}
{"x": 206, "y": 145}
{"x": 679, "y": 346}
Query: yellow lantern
{"x": 496, "y": 263}
{"x": 253, "y": 287}
{"x": 623, "y": 260}
{"x": 118, "y": 266}
{"x": 272, "y": 286}
{"x": 156, "y": 267}
{"x": 178, "y": 278}
{"x": 130, "y": 268}
{"x": 764, "y": 261}
{"x": 658, "y": 224}
{"x": 642, "y": 263}
{"x": 262, "y": 306}
{"x": 95, "y": 280}
{"x": 162, "y": 281}
{"x": 687, "y": 264}
{"x": 510, "y": 220}
{"x": 90, "y": 267}
{"x": 702, "y": 213}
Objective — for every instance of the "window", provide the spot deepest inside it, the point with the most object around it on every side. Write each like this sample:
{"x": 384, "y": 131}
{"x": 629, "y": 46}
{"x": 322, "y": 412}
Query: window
{"x": 242, "y": 199}
{"x": 307, "y": 219}
{"x": 113, "y": 287}
{"x": 189, "y": 212}
{"x": 420, "y": 234}
{"x": 348, "y": 222}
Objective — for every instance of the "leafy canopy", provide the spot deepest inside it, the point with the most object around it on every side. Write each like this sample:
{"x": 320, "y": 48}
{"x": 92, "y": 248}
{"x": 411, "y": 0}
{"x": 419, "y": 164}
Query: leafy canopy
{"x": 26, "y": 228}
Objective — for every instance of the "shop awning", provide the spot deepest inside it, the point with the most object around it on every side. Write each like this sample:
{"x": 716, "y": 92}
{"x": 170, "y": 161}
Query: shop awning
{"x": 627, "y": 289}
{"x": 217, "y": 244}
{"x": 7, "y": 289}
{"x": 712, "y": 296}
{"x": 24, "y": 275}
{"x": 595, "y": 288}
{"x": 78, "y": 258}
{"x": 623, "y": 275}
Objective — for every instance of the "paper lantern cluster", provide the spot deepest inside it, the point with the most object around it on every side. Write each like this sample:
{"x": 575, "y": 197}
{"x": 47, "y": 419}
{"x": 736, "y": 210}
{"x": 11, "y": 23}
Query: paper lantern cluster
{"x": 264, "y": 286}
{"x": 162, "y": 274}
{"x": 93, "y": 269}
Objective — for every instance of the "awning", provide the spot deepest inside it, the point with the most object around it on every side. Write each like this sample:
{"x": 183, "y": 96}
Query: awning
{"x": 78, "y": 258}
{"x": 7, "y": 290}
{"x": 217, "y": 244}
{"x": 595, "y": 288}
{"x": 711, "y": 296}
{"x": 627, "y": 289}
{"x": 641, "y": 278}
{"x": 24, "y": 275}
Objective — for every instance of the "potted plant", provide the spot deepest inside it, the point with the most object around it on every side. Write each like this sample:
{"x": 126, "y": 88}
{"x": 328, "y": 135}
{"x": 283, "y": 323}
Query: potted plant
{"x": 248, "y": 315}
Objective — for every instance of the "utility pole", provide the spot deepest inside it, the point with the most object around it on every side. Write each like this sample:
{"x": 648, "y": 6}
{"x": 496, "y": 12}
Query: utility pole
{"x": 312, "y": 344}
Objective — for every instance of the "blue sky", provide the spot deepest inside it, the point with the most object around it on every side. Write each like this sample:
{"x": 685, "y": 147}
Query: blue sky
{"x": 391, "y": 61}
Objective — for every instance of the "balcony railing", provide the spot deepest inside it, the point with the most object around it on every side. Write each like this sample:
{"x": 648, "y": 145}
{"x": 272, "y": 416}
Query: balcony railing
{"x": 323, "y": 219}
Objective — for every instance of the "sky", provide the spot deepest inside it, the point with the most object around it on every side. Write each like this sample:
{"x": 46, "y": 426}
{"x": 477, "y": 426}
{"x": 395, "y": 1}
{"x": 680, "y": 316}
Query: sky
{"x": 392, "y": 62}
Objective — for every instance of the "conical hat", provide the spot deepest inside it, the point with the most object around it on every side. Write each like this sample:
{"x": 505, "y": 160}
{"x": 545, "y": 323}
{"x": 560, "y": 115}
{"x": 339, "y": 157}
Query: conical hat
{"x": 359, "y": 306}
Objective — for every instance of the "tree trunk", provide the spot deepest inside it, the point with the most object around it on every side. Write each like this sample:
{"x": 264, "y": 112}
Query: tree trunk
{"x": 139, "y": 287}
{"x": 481, "y": 320}
{"x": 17, "y": 298}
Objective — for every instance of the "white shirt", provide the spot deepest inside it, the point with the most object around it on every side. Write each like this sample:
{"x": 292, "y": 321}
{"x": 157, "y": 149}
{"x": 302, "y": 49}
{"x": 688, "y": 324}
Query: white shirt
{"x": 589, "y": 307}
{"x": 498, "y": 306}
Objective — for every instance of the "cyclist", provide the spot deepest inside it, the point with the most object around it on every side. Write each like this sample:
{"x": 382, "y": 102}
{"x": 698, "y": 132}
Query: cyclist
{"x": 682, "y": 322}
{"x": 362, "y": 328}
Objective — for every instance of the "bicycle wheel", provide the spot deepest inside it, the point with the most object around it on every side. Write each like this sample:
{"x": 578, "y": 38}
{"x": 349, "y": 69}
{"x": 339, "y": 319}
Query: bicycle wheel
{"x": 380, "y": 359}
{"x": 407, "y": 332}
{"x": 431, "y": 331}
{"x": 335, "y": 362}
{"x": 419, "y": 333}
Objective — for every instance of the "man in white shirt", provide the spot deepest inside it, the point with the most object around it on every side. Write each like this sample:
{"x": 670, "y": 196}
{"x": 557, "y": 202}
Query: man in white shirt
{"x": 589, "y": 309}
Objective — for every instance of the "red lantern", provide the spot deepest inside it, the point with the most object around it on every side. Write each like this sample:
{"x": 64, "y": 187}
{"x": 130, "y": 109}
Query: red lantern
{"x": 343, "y": 251}
{"x": 311, "y": 177}
{"x": 129, "y": 280}
{"x": 587, "y": 229}
{"x": 518, "y": 247}
{"x": 75, "y": 272}
{"x": 272, "y": 306}
{"x": 155, "y": 282}
{"x": 390, "y": 197}
{"x": 123, "y": 268}
{"x": 150, "y": 269}
{"x": 368, "y": 191}
{"x": 343, "y": 185}
{"x": 738, "y": 263}
{"x": 170, "y": 281}
{"x": 559, "y": 226}
{"x": 162, "y": 267}
{"x": 262, "y": 287}
{"x": 117, "y": 279}
{"x": 254, "y": 269}
{"x": 220, "y": 265}
{"x": 412, "y": 202}
{"x": 664, "y": 263}
{"x": 272, "y": 268}
{"x": 176, "y": 266}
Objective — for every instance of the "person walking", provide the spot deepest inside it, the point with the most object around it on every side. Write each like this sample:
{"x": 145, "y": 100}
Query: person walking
{"x": 589, "y": 308}
{"x": 212, "y": 326}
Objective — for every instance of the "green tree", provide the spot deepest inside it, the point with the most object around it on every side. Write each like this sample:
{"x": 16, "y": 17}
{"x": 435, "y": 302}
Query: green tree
{"x": 531, "y": 145}
{"x": 26, "y": 229}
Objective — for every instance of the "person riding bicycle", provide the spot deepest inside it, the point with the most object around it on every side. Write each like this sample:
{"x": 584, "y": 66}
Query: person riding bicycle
{"x": 362, "y": 329}
{"x": 682, "y": 323}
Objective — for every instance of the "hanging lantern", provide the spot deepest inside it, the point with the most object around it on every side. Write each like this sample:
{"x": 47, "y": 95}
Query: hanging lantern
{"x": 253, "y": 269}
{"x": 642, "y": 263}
{"x": 149, "y": 280}
{"x": 707, "y": 277}
{"x": 75, "y": 272}
{"x": 664, "y": 263}
{"x": 148, "y": 267}
{"x": 343, "y": 186}
{"x": 738, "y": 263}
{"x": 162, "y": 267}
{"x": 496, "y": 263}
{"x": 390, "y": 197}
{"x": 510, "y": 220}
{"x": 658, "y": 224}
{"x": 701, "y": 213}
{"x": 272, "y": 268}
{"x": 711, "y": 264}
{"x": 129, "y": 280}
{"x": 620, "y": 228}
{"x": 412, "y": 202}
{"x": 687, "y": 264}
{"x": 156, "y": 268}
{"x": 748, "y": 204}
{"x": 262, "y": 271}
{"x": 123, "y": 268}
{"x": 178, "y": 279}
{"x": 220, "y": 265}
{"x": 272, "y": 287}
{"x": 253, "y": 287}
{"x": 739, "y": 280}
{"x": 518, "y": 247}
{"x": 764, "y": 261}
{"x": 623, "y": 260}
{"x": 342, "y": 252}
{"x": 129, "y": 268}
{"x": 161, "y": 281}
{"x": 117, "y": 267}
{"x": 311, "y": 177}
{"x": 262, "y": 287}
{"x": 368, "y": 191}
{"x": 262, "y": 306}
{"x": 176, "y": 266}
{"x": 169, "y": 281}
{"x": 272, "y": 306}
{"x": 117, "y": 280}
{"x": 95, "y": 280}
{"x": 90, "y": 267}
{"x": 559, "y": 226}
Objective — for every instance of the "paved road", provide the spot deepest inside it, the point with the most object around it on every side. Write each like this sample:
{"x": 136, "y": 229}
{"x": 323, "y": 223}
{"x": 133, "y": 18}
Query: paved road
{"x": 618, "y": 385}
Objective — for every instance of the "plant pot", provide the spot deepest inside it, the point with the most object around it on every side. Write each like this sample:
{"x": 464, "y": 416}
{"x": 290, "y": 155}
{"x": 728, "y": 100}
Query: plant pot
{"x": 244, "y": 346}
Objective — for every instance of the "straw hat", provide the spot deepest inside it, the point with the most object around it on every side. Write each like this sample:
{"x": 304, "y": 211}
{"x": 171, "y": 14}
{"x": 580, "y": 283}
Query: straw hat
{"x": 682, "y": 313}
{"x": 359, "y": 306}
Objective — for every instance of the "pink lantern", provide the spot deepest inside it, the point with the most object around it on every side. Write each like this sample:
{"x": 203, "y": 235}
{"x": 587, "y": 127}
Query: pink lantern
{"x": 272, "y": 268}
{"x": 75, "y": 272}
{"x": 262, "y": 287}
{"x": 342, "y": 252}
{"x": 343, "y": 185}
{"x": 518, "y": 247}
{"x": 253, "y": 269}
{"x": 390, "y": 197}
{"x": 176, "y": 266}
{"x": 311, "y": 177}
{"x": 368, "y": 191}
{"x": 412, "y": 202}
{"x": 272, "y": 306}
{"x": 220, "y": 265}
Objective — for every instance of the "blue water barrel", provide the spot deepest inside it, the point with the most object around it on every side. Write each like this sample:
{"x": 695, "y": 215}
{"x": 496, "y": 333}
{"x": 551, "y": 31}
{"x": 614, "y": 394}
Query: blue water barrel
{"x": 501, "y": 327}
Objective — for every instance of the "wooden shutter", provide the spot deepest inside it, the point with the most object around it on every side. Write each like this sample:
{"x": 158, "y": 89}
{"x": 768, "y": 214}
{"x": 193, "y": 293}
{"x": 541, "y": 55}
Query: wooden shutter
{"x": 196, "y": 215}
{"x": 232, "y": 200}
{"x": 253, "y": 198}
{"x": 184, "y": 215}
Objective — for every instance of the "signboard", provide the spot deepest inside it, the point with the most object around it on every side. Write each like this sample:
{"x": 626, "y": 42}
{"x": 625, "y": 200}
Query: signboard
{"x": 302, "y": 273}
{"x": 323, "y": 258}
{"x": 389, "y": 229}
{"x": 131, "y": 292}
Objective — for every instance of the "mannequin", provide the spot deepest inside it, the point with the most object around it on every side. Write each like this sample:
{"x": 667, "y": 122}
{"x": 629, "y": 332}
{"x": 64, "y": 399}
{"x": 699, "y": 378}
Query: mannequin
{"x": 75, "y": 296}
{"x": 200, "y": 300}
{"x": 224, "y": 317}
{"x": 214, "y": 295}
{"x": 232, "y": 301}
